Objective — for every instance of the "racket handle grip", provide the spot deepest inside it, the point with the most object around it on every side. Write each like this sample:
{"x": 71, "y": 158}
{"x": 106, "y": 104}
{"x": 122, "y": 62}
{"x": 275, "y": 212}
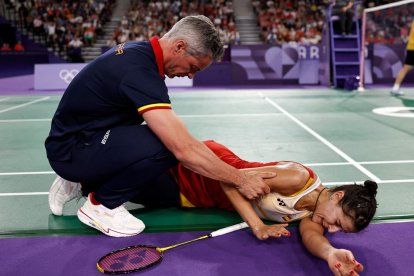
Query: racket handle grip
{"x": 229, "y": 229}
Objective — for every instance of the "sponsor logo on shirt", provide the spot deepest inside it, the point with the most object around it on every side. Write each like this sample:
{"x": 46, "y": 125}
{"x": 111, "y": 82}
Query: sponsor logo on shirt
{"x": 106, "y": 136}
{"x": 120, "y": 49}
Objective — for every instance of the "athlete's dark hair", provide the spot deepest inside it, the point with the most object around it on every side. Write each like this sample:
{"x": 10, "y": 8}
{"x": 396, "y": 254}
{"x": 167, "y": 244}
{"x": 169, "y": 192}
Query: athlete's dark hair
{"x": 359, "y": 202}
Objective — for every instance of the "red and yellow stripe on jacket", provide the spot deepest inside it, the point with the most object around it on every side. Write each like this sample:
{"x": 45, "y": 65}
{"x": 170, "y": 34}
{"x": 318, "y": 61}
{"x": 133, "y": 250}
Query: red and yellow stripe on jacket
{"x": 149, "y": 107}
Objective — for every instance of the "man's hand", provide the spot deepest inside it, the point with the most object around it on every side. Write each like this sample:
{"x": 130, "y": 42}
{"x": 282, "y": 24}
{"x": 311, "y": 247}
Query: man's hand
{"x": 342, "y": 262}
{"x": 253, "y": 185}
{"x": 263, "y": 231}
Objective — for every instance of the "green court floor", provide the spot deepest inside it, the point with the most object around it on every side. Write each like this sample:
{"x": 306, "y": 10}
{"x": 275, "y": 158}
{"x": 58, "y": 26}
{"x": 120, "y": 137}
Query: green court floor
{"x": 336, "y": 133}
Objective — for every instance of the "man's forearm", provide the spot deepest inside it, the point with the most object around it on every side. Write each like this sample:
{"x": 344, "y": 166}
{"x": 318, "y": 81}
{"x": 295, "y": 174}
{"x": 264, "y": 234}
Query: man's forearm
{"x": 242, "y": 206}
{"x": 200, "y": 159}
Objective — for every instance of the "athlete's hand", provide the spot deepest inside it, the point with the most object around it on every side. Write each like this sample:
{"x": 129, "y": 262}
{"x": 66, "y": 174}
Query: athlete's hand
{"x": 263, "y": 231}
{"x": 342, "y": 262}
{"x": 253, "y": 185}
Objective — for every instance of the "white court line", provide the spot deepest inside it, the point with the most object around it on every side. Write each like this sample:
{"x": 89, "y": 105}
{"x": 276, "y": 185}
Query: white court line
{"x": 361, "y": 182}
{"x": 228, "y": 115}
{"x": 362, "y": 163}
{"x": 183, "y": 116}
{"x": 25, "y": 104}
{"x": 24, "y": 120}
{"x": 24, "y": 194}
{"x": 323, "y": 140}
{"x": 328, "y": 184}
{"x": 308, "y": 164}
{"x": 4, "y": 99}
{"x": 26, "y": 173}
{"x": 387, "y": 162}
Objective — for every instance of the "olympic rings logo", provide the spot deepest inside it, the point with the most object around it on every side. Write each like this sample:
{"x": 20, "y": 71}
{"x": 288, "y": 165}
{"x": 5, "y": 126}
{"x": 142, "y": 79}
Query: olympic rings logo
{"x": 68, "y": 75}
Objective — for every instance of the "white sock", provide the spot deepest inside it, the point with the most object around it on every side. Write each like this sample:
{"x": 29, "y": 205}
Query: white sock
{"x": 396, "y": 87}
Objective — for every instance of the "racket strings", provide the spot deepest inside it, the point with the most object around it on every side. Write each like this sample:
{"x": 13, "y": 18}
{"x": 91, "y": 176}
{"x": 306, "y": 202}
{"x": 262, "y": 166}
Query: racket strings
{"x": 131, "y": 259}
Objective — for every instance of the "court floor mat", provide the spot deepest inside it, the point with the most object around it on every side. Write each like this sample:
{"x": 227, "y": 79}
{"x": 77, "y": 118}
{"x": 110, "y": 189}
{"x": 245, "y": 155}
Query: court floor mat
{"x": 344, "y": 137}
{"x": 340, "y": 135}
{"x": 237, "y": 253}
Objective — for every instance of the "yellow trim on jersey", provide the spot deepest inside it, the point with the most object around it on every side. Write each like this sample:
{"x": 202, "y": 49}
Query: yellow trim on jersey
{"x": 410, "y": 44}
{"x": 153, "y": 106}
{"x": 287, "y": 218}
{"x": 185, "y": 202}
{"x": 307, "y": 185}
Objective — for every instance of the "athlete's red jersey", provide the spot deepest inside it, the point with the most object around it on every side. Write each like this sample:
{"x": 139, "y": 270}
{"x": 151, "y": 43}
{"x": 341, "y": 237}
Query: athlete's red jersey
{"x": 199, "y": 191}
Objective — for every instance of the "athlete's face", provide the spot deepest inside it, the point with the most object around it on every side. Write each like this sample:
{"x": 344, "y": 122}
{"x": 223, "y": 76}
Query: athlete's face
{"x": 184, "y": 65}
{"x": 330, "y": 215}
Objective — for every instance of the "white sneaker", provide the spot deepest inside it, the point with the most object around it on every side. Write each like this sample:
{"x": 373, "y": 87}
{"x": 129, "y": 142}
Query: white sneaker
{"x": 397, "y": 93}
{"x": 117, "y": 222}
{"x": 61, "y": 192}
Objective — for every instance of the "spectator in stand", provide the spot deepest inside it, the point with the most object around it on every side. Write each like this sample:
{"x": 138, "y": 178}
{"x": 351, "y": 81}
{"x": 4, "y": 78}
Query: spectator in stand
{"x": 5, "y": 48}
{"x": 38, "y": 26}
{"x": 234, "y": 37}
{"x": 88, "y": 33}
{"x": 145, "y": 19}
{"x": 18, "y": 47}
{"x": 59, "y": 21}
{"x": 272, "y": 37}
{"x": 75, "y": 50}
{"x": 295, "y": 22}
{"x": 51, "y": 33}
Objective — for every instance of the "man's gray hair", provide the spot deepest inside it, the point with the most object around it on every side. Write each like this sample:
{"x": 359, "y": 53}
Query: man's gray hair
{"x": 201, "y": 36}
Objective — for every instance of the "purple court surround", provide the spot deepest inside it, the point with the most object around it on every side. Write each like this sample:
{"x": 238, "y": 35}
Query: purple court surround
{"x": 384, "y": 249}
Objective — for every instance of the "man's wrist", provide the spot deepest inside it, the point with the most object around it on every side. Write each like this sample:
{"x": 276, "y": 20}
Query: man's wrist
{"x": 240, "y": 180}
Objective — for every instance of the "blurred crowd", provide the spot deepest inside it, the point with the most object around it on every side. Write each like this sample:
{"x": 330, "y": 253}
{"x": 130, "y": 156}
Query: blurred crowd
{"x": 291, "y": 21}
{"x": 65, "y": 25}
{"x": 69, "y": 25}
{"x": 390, "y": 25}
{"x": 145, "y": 19}
{"x": 374, "y": 3}
{"x": 17, "y": 47}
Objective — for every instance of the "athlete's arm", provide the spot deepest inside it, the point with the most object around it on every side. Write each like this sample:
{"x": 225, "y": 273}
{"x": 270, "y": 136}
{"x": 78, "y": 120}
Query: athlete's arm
{"x": 196, "y": 156}
{"x": 291, "y": 177}
{"x": 246, "y": 211}
{"x": 340, "y": 261}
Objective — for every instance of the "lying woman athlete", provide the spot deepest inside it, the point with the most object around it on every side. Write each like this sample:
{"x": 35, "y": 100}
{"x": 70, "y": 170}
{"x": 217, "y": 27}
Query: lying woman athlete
{"x": 296, "y": 194}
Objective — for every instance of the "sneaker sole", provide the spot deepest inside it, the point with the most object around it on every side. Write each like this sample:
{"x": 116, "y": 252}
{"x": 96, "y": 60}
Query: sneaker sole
{"x": 89, "y": 221}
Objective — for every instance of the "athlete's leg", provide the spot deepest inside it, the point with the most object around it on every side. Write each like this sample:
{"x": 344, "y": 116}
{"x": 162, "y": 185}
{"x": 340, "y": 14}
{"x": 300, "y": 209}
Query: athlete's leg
{"x": 402, "y": 73}
{"x": 399, "y": 79}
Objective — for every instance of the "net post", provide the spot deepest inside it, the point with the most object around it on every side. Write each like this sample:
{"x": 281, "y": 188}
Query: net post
{"x": 362, "y": 54}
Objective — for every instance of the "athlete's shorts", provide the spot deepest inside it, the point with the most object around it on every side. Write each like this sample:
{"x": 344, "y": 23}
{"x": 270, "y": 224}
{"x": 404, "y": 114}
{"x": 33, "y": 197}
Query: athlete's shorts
{"x": 409, "y": 58}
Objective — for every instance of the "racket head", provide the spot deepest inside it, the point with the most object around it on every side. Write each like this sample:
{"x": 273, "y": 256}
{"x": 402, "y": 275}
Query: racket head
{"x": 129, "y": 259}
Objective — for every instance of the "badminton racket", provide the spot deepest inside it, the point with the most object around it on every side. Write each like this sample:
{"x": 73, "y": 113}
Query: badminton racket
{"x": 139, "y": 257}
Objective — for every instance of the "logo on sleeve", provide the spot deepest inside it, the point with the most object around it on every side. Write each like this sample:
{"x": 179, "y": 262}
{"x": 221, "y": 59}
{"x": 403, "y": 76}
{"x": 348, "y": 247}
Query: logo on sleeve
{"x": 105, "y": 138}
{"x": 120, "y": 49}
